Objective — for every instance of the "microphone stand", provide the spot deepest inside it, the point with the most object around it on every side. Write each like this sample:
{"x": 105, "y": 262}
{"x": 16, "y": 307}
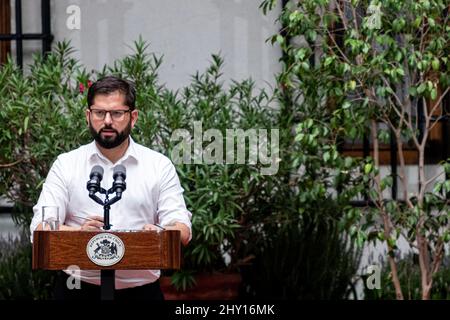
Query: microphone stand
{"x": 106, "y": 204}
{"x": 107, "y": 276}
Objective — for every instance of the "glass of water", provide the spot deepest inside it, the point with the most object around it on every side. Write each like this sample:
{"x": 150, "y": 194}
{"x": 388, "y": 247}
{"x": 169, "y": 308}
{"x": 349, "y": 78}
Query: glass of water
{"x": 50, "y": 218}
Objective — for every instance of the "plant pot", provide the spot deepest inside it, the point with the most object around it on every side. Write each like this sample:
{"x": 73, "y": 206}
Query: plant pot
{"x": 209, "y": 286}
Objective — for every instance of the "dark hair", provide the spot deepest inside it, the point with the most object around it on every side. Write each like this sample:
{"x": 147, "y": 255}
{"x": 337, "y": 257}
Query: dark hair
{"x": 110, "y": 84}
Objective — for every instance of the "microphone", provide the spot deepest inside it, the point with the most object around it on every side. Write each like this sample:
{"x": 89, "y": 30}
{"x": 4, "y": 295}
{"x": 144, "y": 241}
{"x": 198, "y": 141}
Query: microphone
{"x": 93, "y": 185}
{"x": 119, "y": 176}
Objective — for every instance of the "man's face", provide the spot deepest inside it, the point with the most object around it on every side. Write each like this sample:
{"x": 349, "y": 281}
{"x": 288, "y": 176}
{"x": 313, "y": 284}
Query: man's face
{"x": 110, "y": 120}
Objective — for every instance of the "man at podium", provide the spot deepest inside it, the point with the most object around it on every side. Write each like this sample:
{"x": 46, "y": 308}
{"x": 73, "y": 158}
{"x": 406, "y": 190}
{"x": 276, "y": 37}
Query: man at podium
{"x": 153, "y": 198}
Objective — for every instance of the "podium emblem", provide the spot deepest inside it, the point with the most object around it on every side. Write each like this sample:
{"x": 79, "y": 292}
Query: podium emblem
{"x": 105, "y": 249}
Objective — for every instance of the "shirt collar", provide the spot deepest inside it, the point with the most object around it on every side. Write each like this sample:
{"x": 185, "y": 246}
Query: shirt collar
{"x": 130, "y": 153}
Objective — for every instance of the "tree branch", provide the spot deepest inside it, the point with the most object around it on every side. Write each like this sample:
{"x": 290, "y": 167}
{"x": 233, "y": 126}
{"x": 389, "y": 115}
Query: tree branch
{"x": 341, "y": 14}
{"x": 337, "y": 47}
{"x": 12, "y": 164}
{"x": 426, "y": 183}
{"x": 438, "y": 102}
{"x": 438, "y": 255}
{"x": 400, "y": 103}
{"x": 387, "y": 223}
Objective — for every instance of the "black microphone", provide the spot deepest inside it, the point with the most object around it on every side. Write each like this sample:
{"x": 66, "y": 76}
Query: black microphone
{"x": 93, "y": 185}
{"x": 119, "y": 176}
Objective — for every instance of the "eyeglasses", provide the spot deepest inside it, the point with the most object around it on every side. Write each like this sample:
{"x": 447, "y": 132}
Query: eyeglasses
{"x": 116, "y": 115}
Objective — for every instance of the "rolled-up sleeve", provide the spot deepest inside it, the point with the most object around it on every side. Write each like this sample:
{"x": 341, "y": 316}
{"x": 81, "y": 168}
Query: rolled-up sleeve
{"x": 171, "y": 204}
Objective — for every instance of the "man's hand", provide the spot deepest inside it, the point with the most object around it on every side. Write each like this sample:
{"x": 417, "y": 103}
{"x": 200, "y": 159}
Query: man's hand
{"x": 184, "y": 230}
{"x": 93, "y": 223}
{"x": 151, "y": 227}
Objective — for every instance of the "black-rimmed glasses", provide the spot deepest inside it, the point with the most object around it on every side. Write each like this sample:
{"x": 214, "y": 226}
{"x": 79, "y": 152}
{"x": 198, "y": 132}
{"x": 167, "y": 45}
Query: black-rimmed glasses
{"x": 116, "y": 115}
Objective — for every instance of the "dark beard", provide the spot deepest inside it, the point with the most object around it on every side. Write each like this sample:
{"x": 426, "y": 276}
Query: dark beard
{"x": 110, "y": 142}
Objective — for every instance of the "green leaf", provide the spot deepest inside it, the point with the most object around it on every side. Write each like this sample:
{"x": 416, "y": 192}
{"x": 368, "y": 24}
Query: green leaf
{"x": 386, "y": 182}
{"x": 433, "y": 94}
{"x": 311, "y": 35}
{"x": 305, "y": 65}
{"x": 25, "y": 123}
{"x": 299, "y": 137}
{"x": 412, "y": 91}
{"x": 446, "y": 166}
{"x": 346, "y": 67}
{"x": 435, "y": 64}
{"x": 373, "y": 194}
{"x": 353, "y": 230}
{"x": 294, "y": 16}
{"x": 352, "y": 84}
{"x": 346, "y": 105}
{"x": 362, "y": 238}
{"x": 392, "y": 242}
{"x": 301, "y": 53}
{"x": 338, "y": 91}
{"x": 328, "y": 61}
{"x": 422, "y": 87}
{"x": 447, "y": 186}
{"x": 348, "y": 162}
{"x": 280, "y": 39}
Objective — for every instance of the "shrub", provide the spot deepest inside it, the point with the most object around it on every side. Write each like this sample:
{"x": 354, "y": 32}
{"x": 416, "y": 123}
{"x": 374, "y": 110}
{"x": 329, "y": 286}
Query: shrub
{"x": 410, "y": 278}
{"x": 17, "y": 280}
{"x": 306, "y": 259}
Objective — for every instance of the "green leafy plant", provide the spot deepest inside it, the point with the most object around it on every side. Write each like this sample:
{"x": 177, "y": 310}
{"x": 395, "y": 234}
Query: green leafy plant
{"x": 409, "y": 276}
{"x": 306, "y": 259}
{"x": 349, "y": 66}
{"x": 17, "y": 280}
{"x": 41, "y": 116}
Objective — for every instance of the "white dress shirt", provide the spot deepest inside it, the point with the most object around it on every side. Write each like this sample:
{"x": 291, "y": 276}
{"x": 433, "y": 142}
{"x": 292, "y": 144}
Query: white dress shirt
{"x": 153, "y": 195}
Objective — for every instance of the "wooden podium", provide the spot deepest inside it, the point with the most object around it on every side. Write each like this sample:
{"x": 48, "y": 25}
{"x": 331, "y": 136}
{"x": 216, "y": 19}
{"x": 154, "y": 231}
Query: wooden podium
{"x": 57, "y": 250}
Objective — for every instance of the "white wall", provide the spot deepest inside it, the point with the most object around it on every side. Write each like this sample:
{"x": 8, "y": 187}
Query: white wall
{"x": 185, "y": 32}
